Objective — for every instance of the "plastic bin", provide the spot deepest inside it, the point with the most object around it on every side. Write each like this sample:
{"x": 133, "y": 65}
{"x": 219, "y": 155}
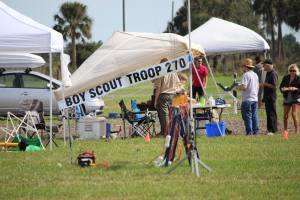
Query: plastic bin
{"x": 91, "y": 127}
{"x": 215, "y": 129}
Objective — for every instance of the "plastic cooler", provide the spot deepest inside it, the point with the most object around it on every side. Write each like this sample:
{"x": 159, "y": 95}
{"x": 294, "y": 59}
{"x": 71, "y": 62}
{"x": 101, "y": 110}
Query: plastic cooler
{"x": 215, "y": 129}
{"x": 91, "y": 127}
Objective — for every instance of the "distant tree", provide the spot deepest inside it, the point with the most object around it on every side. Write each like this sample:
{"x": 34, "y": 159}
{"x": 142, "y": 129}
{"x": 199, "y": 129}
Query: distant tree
{"x": 291, "y": 46}
{"x": 265, "y": 8}
{"x": 74, "y": 23}
{"x": 275, "y": 13}
{"x": 293, "y": 14}
{"x": 201, "y": 10}
{"x": 85, "y": 50}
{"x": 179, "y": 24}
{"x": 239, "y": 12}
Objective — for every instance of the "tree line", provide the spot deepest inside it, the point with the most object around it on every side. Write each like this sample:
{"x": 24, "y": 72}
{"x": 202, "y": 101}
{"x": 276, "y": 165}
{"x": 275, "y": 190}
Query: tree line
{"x": 266, "y": 17}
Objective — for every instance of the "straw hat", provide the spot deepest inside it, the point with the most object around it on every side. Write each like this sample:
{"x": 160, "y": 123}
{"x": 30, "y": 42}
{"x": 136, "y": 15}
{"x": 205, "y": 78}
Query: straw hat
{"x": 248, "y": 63}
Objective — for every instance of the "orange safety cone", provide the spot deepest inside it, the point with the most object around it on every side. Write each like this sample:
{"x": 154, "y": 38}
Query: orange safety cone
{"x": 147, "y": 138}
{"x": 285, "y": 135}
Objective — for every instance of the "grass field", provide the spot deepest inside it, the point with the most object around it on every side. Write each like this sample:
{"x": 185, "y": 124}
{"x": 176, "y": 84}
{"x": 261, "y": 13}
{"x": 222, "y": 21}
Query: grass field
{"x": 243, "y": 168}
{"x": 259, "y": 167}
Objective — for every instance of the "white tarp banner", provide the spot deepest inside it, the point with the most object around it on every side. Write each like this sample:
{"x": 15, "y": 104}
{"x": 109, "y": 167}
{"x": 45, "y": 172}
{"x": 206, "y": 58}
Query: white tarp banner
{"x": 132, "y": 78}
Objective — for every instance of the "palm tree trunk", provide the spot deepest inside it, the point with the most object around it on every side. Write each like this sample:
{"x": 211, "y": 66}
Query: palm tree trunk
{"x": 279, "y": 24}
{"x": 73, "y": 52}
{"x": 271, "y": 21}
{"x": 273, "y": 41}
{"x": 280, "y": 42}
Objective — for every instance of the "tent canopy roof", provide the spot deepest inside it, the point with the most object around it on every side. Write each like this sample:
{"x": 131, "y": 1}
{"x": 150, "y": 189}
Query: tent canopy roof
{"x": 20, "y": 60}
{"x": 125, "y": 52}
{"x": 22, "y": 34}
{"x": 218, "y": 36}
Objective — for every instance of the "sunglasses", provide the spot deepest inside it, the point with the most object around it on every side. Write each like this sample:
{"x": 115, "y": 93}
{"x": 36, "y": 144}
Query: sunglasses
{"x": 292, "y": 70}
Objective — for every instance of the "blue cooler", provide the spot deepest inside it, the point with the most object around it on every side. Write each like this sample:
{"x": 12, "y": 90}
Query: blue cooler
{"x": 215, "y": 129}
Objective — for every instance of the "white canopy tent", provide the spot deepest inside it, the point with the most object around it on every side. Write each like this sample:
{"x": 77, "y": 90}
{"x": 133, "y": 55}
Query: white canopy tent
{"x": 218, "y": 36}
{"x": 24, "y": 35}
{"x": 20, "y": 60}
{"x": 125, "y": 52}
{"x": 21, "y": 34}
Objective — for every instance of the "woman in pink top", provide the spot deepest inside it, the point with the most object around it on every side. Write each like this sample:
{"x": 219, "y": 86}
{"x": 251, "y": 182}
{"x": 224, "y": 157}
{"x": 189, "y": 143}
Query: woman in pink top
{"x": 203, "y": 73}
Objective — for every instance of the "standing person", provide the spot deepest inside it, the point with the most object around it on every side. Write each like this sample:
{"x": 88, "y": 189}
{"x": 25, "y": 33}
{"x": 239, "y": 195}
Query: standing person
{"x": 249, "y": 86}
{"x": 259, "y": 70}
{"x": 165, "y": 88}
{"x": 290, "y": 88}
{"x": 269, "y": 96}
{"x": 203, "y": 74}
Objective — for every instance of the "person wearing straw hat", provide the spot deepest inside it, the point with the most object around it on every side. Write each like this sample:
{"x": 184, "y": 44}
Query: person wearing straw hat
{"x": 269, "y": 96}
{"x": 249, "y": 87}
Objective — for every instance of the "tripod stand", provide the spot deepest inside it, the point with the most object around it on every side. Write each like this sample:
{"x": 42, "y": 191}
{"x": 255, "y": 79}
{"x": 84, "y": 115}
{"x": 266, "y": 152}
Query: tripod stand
{"x": 180, "y": 120}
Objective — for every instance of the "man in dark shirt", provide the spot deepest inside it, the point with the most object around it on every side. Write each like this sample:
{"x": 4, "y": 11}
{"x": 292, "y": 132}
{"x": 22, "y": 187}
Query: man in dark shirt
{"x": 269, "y": 96}
{"x": 259, "y": 70}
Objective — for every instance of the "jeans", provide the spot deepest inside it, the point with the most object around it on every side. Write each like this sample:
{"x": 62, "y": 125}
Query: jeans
{"x": 250, "y": 117}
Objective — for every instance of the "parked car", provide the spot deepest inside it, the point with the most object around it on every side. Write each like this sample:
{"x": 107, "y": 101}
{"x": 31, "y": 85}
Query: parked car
{"x": 18, "y": 86}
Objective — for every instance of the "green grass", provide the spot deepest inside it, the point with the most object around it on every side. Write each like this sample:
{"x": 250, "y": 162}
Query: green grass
{"x": 243, "y": 167}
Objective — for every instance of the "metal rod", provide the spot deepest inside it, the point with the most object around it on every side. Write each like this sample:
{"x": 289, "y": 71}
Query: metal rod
{"x": 50, "y": 73}
{"x": 123, "y": 15}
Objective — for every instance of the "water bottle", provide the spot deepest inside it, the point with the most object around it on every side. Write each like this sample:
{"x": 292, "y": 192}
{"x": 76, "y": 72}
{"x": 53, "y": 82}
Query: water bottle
{"x": 211, "y": 101}
{"x": 202, "y": 101}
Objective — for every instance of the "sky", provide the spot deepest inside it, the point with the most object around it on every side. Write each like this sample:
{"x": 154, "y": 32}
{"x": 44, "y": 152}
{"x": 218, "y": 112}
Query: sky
{"x": 141, "y": 15}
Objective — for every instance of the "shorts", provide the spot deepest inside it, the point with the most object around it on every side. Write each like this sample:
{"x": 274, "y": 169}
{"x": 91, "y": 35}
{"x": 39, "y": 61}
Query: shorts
{"x": 290, "y": 103}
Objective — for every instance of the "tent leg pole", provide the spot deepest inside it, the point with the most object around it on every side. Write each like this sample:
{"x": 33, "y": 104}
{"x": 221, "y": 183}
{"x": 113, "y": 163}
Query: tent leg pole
{"x": 50, "y": 73}
{"x": 70, "y": 138}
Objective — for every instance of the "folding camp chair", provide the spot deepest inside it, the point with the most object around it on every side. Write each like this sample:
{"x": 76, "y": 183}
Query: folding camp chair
{"x": 15, "y": 125}
{"x": 34, "y": 108}
{"x": 37, "y": 112}
{"x": 141, "y": 125}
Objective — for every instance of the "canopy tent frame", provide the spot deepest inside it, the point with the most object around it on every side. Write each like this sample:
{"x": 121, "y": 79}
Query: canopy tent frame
{"x": 28, "y": 36}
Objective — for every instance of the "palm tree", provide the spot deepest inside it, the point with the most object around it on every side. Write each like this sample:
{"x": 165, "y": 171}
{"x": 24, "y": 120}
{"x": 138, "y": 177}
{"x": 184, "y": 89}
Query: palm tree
{"x": 266, "y": 9}
{"x": 74, "y": 23}
{"x": 293, "y": 14}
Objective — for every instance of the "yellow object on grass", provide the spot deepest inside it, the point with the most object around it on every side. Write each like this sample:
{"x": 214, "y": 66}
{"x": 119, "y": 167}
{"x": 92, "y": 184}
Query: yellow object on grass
{"x": 8, "y": 144}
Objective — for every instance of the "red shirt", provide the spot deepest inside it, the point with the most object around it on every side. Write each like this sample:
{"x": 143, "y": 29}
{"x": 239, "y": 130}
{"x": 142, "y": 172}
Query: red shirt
{"x": 203, "y": 72}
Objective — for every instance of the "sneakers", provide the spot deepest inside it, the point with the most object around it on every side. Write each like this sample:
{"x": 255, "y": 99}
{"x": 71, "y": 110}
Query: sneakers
{"x": 270, "y": 134}
{"x": 285, "y": 135}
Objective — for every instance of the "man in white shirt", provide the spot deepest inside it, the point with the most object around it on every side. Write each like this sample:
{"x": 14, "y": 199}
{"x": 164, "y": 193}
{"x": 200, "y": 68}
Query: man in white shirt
{"x": 249, "y": 86}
